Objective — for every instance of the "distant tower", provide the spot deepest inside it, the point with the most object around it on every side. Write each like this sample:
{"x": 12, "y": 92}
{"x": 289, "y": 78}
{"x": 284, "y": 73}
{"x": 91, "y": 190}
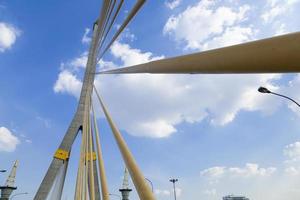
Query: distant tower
{"x": 9, "y": 187}
{"x": 233, "y": 197}
{"x": 125, "y": 187}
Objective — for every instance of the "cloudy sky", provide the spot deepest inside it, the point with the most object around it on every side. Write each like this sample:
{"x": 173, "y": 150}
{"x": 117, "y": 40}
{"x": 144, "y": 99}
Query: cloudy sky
{"x": 215, "y": 133}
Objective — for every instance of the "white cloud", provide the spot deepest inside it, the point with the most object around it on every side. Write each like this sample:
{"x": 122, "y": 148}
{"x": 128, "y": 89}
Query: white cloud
{"x": 292, "y": 171}
{"x": 76, "y": 63}
{"x": 162, "y": 192}
{"x": 292, "y": 151}
{"x": 213, "y": 172}
{"x": 45, "y": 122}
{"x": 8, "y": 36}
{"x": 250, "y": 170}
{"x": 85, "y": 38}
{"x": 152, "y": 105}
{"x": 67, "y": 82}
{"x": 131, "y": 56}
{"x": 155, "y": 104}
{"x": 281, "y": 30}
{"x": 80, "y": 62}
{"x": 28, "y": 141}
{"x": 199, "y": 24}
{"x": 292, "y": 91}
{"x": 178, "y": 192}
{"x": 210, "y": 192}
{"x": 8, "y": 141}
{"x": 272, "y": 13}
{"x": 106, "y": 65}
{"x": 277, "y": 8}
{"x": 127, "y": 35}
{"x": 253, "y": 180}
{"x": 171, "y": 4}
{"x": 231, "y": 36}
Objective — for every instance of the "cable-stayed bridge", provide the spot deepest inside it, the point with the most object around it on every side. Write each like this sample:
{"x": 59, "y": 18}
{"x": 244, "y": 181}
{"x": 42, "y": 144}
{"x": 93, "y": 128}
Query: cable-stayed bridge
{"x": 274, "y": 55}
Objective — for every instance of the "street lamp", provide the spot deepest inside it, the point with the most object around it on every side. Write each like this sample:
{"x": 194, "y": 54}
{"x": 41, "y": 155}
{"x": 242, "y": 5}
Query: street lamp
{"x": 23, "y": 193}
{"x": 115, "y": 195}
{"x": 150, "y": 184}
{"x": 3, "y": 170}
{"x": 174, "y": 181}
{"x": 267, "y": 91}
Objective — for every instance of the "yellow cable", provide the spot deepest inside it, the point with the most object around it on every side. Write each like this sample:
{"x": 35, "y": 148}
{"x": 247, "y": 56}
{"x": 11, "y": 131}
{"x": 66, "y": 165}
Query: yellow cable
{"x": 102, "y": 174}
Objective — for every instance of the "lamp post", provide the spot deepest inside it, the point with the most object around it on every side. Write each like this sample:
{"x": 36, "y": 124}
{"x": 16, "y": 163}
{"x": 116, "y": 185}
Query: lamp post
{"x": 150, "y": 184}
{"x": 3, "y": 170}
{"x": 174, "y": 187}
{"x": 116, "y": 195}
{"x": 23, "y": 193}
{"x": 267, "y": 91}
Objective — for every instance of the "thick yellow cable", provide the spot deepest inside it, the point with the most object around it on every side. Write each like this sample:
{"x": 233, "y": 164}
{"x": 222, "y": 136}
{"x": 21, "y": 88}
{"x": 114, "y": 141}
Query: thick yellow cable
{"x": 82, "y": 163}
{"x": 138, "y": 179}
{"x": 102, "y": 174}
{"x": 79, "y": 173}
{"x": 278, "y": 54}
{"x": 91, "y": 159}
{"x": 86, "y": 180}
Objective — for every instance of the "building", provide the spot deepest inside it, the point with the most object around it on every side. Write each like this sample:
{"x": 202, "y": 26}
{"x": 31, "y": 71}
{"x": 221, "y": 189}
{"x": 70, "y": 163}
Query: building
{"x": 233, "y": 197}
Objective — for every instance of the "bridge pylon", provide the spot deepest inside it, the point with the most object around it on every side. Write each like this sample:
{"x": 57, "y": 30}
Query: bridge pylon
{"x": 87, "y": 183}
{"x": 61, "y": 157}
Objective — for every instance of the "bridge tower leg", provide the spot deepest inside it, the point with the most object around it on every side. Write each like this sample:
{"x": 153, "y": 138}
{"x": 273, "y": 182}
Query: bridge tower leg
{"x": 61, "y": 157}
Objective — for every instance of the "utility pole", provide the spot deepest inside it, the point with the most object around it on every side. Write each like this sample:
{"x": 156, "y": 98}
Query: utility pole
{"x": 174, "y": 187}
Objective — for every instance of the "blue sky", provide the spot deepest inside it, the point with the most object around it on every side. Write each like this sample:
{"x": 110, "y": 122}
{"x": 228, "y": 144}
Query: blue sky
{"x": 214, "y": 133}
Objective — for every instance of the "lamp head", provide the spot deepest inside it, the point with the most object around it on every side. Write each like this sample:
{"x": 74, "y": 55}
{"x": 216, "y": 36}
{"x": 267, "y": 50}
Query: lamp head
{"x": 263, "y": 90}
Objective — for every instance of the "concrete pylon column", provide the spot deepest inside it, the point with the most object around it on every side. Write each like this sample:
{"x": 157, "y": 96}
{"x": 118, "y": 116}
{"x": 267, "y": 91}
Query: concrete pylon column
{"x": 62, "y": 155}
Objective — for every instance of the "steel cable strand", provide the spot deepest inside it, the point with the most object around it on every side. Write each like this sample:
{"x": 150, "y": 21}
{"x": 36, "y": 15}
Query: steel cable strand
{"x": 107, "y": 19}
{"x": 111, "y": 23}
{"x": 132, "y": 13}
{"x": 102, "y": 174}
{"x": 91, "y": 158}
